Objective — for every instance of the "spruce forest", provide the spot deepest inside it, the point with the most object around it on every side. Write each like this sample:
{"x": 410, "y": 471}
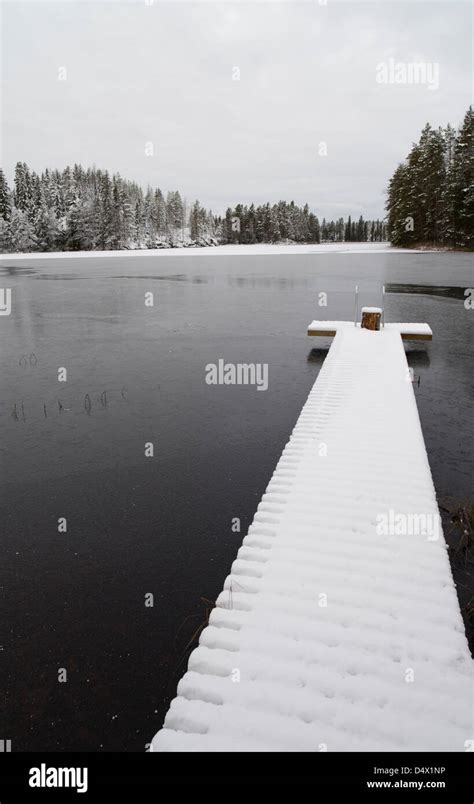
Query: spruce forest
{"x": 431, "y": 194}
{"x": 83, "y": 210}
{"x": 430, "y": 201}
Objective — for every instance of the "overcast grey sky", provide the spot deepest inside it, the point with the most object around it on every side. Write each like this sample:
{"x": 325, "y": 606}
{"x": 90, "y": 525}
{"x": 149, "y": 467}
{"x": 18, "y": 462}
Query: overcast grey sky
{"x": 162, "y": 73}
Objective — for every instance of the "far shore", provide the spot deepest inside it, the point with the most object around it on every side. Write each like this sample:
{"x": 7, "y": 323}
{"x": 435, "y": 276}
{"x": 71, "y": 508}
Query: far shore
{"x": 235, "y": 250}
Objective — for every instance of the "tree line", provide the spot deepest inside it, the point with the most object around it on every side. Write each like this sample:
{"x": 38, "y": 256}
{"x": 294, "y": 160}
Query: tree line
{"x": 288, "y": 222}
{"x": 431, "y": 194}
{"x": 81, "y": 209}
{"x": 430, "y": 200}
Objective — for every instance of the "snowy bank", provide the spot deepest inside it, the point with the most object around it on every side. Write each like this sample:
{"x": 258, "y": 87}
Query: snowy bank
{"x": 230, "y": 250}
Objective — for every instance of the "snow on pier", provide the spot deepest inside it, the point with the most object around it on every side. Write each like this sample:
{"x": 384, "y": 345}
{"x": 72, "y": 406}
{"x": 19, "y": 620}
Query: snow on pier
{"x": 339, "y": 627}
{"x": 409, "y": 332}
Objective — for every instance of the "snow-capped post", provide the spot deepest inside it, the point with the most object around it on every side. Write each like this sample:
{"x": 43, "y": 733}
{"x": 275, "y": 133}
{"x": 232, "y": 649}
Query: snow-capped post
{"x": 371, "y": 318}
{"x": 356, "y": 304}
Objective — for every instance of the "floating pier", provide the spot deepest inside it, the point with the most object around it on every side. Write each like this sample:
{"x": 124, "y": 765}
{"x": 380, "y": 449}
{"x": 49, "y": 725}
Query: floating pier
{"x": 408, "y": 332}
{"x": 338, "y": 628}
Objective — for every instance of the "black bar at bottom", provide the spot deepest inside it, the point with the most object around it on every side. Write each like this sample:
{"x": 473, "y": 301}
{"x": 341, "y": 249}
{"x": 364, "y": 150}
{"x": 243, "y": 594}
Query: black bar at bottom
{"x": 46, "y": 777}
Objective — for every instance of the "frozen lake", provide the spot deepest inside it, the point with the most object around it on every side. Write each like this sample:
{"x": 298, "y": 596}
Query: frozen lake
{"x": 163, "y": 525}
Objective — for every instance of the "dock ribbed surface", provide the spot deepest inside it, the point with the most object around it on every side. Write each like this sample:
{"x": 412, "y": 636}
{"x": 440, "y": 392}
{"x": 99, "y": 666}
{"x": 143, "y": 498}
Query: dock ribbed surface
{"x": 330, "y": 635}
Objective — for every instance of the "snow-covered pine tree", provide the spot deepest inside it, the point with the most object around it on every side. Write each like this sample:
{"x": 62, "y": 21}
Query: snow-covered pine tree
{"x": 5, "y": 198}
{"x": 5, "y": 238}
{"x": 105, "y": 218}
{"x": 324, "y": 231}
{"x": 22, "y": 233}
{"x": 138, "y": 223}
{"x": 399, "y": 208}
{"x": 23, "y": 190}
{"x": 447, "y": 197}
{"x": 160, "y": 206}
{"x": 431, "y": 195}
{"x": 46, "y": 227}
{"x": 275, "y": 232}
{"x": 251, "y": 225}
{"x": 462, "y": 184}
{"x": 314, "y": 228}
{"x": 331, "y": 231}
{"x": 429, "y": 175}
{"x": 199, "y": 224}
{"x": 174, "y": 214}
{"x": 121, "y": 214}
{"x": 348, "y": 230}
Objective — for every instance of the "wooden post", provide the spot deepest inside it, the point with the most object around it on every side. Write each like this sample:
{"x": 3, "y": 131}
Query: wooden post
{"x": 371, "y": 318}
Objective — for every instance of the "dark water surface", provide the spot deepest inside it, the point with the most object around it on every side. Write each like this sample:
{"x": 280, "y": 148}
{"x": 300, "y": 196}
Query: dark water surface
{"x": 163, "y": 525}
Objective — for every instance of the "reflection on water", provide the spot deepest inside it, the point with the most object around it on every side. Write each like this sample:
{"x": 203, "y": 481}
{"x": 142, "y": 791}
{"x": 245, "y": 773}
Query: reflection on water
{"x": 135, "y": 375}
{"x": 451, "y": 292}
{"x": 57, "y": 277}
{"x": 15, "y": 270}
{"x": 317, "y": 355}
{"x": 417, "y": 358}
{"x": 273, "y": 282}
{"x": 195, "y": 280}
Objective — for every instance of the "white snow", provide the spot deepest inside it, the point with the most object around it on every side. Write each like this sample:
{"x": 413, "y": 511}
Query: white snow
{"x": 230, "y": 250}
{"x": 402, "y": 328}
{"x": 385, "y": 665}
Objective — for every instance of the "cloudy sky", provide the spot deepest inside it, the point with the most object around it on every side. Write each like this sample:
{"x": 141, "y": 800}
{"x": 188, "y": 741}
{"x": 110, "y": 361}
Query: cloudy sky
{"x": 150, "y": 90}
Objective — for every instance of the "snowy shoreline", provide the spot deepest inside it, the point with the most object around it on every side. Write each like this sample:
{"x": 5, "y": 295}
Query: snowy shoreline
{"x": 228, "y": 250}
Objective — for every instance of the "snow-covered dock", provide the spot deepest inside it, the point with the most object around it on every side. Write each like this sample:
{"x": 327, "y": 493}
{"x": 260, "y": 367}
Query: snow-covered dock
{"x": 409, "y": 332}
{"x": 339, "y": 627}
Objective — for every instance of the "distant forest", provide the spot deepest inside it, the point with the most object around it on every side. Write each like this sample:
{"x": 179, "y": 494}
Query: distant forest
{"x": 82, "y": 210}
{"x": 431, "y": 194}
{"x": 430, "y": 201}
